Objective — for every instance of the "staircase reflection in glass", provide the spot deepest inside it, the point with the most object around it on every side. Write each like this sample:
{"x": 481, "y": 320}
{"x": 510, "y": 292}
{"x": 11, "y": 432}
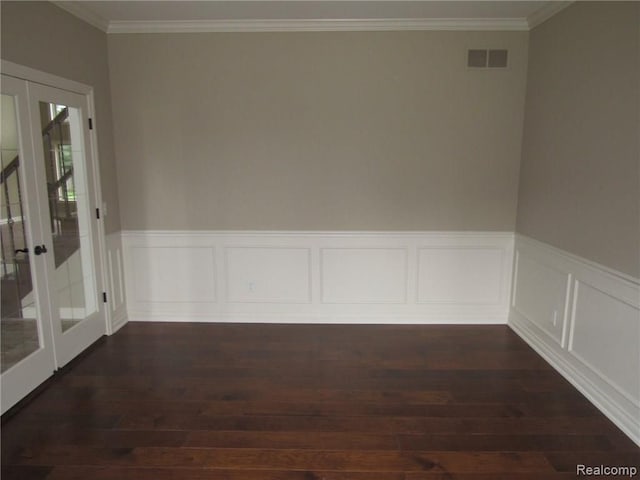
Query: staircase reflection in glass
{"x": 18, "y": 329}
{"x": 69, "y": 212}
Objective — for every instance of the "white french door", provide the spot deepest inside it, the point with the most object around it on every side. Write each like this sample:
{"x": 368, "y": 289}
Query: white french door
{"x": 59, "y": 311}
{"x": 27, "y": 345}
{"x": 67, "y": 203}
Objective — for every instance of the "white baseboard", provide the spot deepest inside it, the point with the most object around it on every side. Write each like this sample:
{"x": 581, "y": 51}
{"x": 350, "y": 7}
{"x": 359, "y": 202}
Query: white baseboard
{"x": 584, "y": 319}
{"x": 118, "y": 319}
{"x": 318, "y": 277}
{"x": 497, "y": 318}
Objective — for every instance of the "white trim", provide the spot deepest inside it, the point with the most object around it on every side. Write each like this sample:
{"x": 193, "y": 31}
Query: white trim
{"x": 589, "y": 364}
{"x": 72, "y": 342}
{"x": 28, "y": 373}
{"x": 558, "y": 252}
{"x": 545, "y": 13}
{"x": 118, "y": 319}
{"x": 627, "y": 422}
{"x": 541, "y": 15}
{"x": 114, "y": 283}
{"x": 494, "y": 317}
{"x": 43, "y": 81}
{"x": 43, "y": 78}
{"x": 186, "y": 276}
{"x": 318, "y": 25}
{"x": 101, "y": 236}
{"x": 432, "y": 235}
{"x": 77, "y": 9}
{"x": 597, "y": 321}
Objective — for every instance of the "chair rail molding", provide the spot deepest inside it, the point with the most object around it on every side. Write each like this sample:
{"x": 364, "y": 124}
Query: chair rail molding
{"x": 318, "y": 277}
{"x": 584, "y": 319}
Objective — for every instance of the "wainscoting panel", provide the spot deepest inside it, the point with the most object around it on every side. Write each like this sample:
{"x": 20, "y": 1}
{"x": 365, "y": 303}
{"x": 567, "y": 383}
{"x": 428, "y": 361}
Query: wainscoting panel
{"x": 460, "y": 275}
{"x": 364, "y": 275}
{"x": 174, "y": 274}
{"x": 318, "y": 277}
{"x": 605, "y": 337}
{"x": 115, "y": 281}
{"x": 541, "y": 295}
{"x": 268, "y": 275}
{"x": 595, "y": 343}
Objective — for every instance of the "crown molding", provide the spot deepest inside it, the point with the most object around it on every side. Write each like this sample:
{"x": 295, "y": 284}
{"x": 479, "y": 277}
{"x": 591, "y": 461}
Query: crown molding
{"x": 78, "y": 10}
{"x": 313, "y": 25}
{"x": 317, "y": 25}
{"x": 545, "y": 13}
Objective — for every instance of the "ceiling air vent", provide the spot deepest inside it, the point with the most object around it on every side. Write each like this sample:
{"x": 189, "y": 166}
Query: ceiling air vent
{"x": 487, "y": 58}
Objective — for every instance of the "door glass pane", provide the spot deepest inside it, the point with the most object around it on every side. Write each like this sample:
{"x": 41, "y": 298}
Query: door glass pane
{"x": 18, "y": 326}
{"x": 69, "y": 212}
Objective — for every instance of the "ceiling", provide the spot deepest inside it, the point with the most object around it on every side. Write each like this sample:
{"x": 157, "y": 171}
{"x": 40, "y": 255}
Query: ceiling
{"x": 244, "y": 15}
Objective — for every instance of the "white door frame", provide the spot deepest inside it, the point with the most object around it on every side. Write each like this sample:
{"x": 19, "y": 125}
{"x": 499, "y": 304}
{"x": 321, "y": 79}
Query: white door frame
{"x": 36, "y": 76}
{"x": 68, "y": 344}
{"x": 35, "y": 368}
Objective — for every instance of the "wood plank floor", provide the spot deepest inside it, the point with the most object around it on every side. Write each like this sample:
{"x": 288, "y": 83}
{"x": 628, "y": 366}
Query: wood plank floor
{"x": 300, "y": 402}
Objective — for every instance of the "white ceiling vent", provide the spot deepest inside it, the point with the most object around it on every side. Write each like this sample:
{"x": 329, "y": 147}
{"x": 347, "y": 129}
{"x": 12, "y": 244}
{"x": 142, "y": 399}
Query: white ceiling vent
{"x": 487, "y": 58}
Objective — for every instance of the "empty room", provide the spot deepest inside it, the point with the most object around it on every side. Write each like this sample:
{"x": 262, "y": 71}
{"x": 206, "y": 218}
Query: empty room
{"x": 309, "y": 239}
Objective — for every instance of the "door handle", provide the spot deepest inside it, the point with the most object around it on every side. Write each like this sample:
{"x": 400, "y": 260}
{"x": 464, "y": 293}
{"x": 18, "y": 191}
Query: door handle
{"x": 22, "y": 250}
{"x": 39, "y": 250}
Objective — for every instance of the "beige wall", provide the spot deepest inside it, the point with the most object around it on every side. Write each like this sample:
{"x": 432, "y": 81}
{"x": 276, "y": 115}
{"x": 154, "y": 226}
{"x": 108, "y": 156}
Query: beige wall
{"x": 316, "y": 131}
{"x": 579, "y": 184}
{"x": 42, "y": 36}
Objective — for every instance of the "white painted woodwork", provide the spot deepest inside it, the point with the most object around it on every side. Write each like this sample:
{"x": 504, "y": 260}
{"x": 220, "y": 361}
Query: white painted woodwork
{"x": 31, "y": 371}
{"x": 596, "y": 342}
{"x": 268, "y": 275}
{"x": 115, "y": 284}
{"x": 460, "y": 275}
{"x": 364, "y": 275}
{"x": 136, "y": 17}
{"x": 541, "y": 295}
{"x": 605, "y": 337}
{"x": 86, "y": 283}
{"x": 319, "y": 277}
{"x": 174, "y": 274}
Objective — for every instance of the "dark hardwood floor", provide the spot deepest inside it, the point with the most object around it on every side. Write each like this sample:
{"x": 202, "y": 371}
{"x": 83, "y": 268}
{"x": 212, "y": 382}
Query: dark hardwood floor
{"x": 293, "y": 402}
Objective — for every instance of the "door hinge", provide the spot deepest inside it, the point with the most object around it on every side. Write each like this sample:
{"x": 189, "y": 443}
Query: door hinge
{"x": 98, "y": 213}
{"x": 104, "y": 297}
{"x": 90, "y": 124}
